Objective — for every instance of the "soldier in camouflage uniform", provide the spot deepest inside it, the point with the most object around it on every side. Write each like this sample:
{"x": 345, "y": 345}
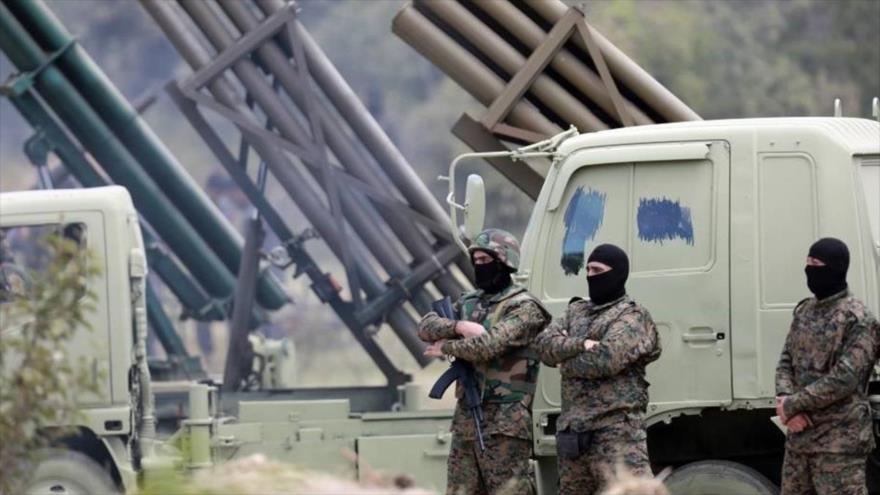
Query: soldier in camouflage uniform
{"x": 821, "y": 381}
{"x": 498, "y": 322}
{"x": 602, "y": 347}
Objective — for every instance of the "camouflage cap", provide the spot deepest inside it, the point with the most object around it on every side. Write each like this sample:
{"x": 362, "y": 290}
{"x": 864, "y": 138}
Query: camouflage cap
{"x": 499, "y": 243}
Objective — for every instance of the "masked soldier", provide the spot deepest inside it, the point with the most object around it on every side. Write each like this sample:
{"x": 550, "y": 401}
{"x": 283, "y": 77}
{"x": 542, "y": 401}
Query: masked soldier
{"x": 498, "y": 322}
{"x": 602, "y": 347}
{"x": 821, "y": 381}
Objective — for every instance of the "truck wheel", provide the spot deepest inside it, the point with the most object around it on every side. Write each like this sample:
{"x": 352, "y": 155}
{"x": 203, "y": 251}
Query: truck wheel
{"x": 65, "y": 472}
{"x": 719, "y": 478}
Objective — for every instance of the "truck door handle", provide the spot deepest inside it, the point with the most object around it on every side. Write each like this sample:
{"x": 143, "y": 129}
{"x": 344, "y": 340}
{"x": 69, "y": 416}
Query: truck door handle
{"x": 701, "y": 337}
{"x": 436, "y": 453}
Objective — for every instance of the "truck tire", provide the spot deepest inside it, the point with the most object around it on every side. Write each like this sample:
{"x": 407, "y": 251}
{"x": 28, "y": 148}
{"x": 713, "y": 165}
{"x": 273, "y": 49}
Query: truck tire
{"x": 719, "y": 478}
{"x": 66, "y": 472}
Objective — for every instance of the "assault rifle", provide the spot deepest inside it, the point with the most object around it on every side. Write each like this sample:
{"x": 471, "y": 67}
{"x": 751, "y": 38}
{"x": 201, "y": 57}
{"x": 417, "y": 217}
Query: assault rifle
{"x": 461, "y": 371}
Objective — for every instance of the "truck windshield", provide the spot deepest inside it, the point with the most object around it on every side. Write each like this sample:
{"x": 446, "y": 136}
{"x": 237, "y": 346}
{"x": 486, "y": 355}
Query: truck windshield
{"x": 870, "y": 171}
{"x": 26, "y": 253}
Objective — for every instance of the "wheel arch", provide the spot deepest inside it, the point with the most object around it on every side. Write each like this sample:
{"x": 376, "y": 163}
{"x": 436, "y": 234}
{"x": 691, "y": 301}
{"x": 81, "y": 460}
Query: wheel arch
{"x": 85, "y": 441}
{"x": 744, "y": 436}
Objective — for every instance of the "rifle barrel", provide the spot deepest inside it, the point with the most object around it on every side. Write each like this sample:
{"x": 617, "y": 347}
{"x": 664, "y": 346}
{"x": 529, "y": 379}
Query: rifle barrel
{"x": 476, "y": 413}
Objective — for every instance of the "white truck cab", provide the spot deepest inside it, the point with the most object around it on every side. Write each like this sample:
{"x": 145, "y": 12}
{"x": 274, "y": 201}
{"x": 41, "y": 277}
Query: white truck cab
{"x": 107, "y": 224}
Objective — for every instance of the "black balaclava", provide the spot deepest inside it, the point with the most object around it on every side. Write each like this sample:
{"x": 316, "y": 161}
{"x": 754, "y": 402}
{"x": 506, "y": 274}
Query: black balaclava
{"x": 492, "y": 277}
{"x": 824, "y": 281}
{"x": 611, "y": 285}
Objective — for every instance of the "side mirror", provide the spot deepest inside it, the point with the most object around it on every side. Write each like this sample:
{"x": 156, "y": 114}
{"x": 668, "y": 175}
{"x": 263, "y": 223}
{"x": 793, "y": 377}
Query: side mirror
{"x": 474, "y": 206}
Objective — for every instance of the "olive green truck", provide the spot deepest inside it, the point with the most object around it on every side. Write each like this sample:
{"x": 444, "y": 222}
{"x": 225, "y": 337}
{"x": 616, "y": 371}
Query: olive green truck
{"x": 716, "y": 216}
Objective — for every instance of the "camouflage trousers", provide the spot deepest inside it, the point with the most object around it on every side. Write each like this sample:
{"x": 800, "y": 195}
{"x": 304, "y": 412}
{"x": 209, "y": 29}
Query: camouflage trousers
{"x": 503, "y": 468}
{"x": 624, "y": 443}
{"x": 821, "y": 474}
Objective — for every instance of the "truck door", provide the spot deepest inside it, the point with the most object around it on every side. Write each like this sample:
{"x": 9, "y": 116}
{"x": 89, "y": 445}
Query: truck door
{"x": 667, "y": 205}
{"x": 25, "y": 254}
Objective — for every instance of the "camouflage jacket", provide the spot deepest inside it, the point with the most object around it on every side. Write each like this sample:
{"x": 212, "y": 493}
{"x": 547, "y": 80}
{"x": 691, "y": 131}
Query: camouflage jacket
{"x": 606, "y": 383}
{"x": 507, "y": 370}
{"x": 824, "y": 368}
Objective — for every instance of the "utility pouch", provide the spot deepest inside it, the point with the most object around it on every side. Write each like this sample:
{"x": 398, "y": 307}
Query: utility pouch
{"x": 568, "y": 445}
{"x": 584, "y": 439}
{"x": 571, "y": 445}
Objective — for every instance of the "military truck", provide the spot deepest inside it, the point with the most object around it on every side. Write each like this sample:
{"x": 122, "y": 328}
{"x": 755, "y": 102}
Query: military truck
{"x": 114, "y": 440}
{"x": 105, "y": 434}
{"x": 716, "y": 216}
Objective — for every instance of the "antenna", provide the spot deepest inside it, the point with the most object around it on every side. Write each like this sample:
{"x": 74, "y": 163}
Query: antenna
{"x": 838, "y": 108}
{"x": 875, "y": 108}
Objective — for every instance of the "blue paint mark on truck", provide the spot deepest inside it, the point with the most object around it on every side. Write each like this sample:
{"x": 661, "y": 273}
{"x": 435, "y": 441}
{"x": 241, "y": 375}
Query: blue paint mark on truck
{"x": 661, "y": 219}
{"x": 583, "y": 217}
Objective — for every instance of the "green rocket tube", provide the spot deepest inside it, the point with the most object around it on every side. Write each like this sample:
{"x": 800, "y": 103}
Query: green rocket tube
{"x": 94, "y": 135}
{"x": 154, "y": 158}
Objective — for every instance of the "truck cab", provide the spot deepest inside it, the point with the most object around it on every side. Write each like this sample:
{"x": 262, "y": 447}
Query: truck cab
{"x": 717, "y": 218}
{"x": 104, "y": 221}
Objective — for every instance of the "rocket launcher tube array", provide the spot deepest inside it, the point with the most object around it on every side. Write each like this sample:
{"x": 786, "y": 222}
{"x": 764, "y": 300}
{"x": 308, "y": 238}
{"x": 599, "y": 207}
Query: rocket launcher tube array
{"x": 463, "y": 67}
{"x": 274, "y": 59}
{"x": 117, "y": 161}
{"x": 434, "y": 28}
{"x": 530, "y": 34}
{"x": 285, "y": 172}
{"x": 363, "y": 218}
{"x": 511, "y": 60}
{"x": 306, "y": 265}
{"x": 154, "y": 158}
{"x": 623, "y": 68}
{"x": 364, "y": 125}
{"x": 413, "y": 190}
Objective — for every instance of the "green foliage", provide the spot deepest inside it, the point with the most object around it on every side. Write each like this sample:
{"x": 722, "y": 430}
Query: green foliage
{"x": 39, "y": 381}
{"x": 744, "y": 58}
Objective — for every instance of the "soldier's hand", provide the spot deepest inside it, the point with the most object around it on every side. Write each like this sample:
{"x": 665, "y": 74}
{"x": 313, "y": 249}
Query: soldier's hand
{"x": 780, "y": 411}
{"x": 589, "y": 344}
{"x": 799, "y": 422}
{"x": 435, "y": 349}
{"x": 469, "y": 329}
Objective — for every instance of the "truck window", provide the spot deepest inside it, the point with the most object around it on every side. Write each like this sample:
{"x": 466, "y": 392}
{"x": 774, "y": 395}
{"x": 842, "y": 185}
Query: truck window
{"x": 25, "y": 253}
{"x": 787, "y": 223}
{"x": 594, "y": 209}
{"x": 870, "y": 170}
{"x": 674, "y": 208}
{"x": 660, "y": 213}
